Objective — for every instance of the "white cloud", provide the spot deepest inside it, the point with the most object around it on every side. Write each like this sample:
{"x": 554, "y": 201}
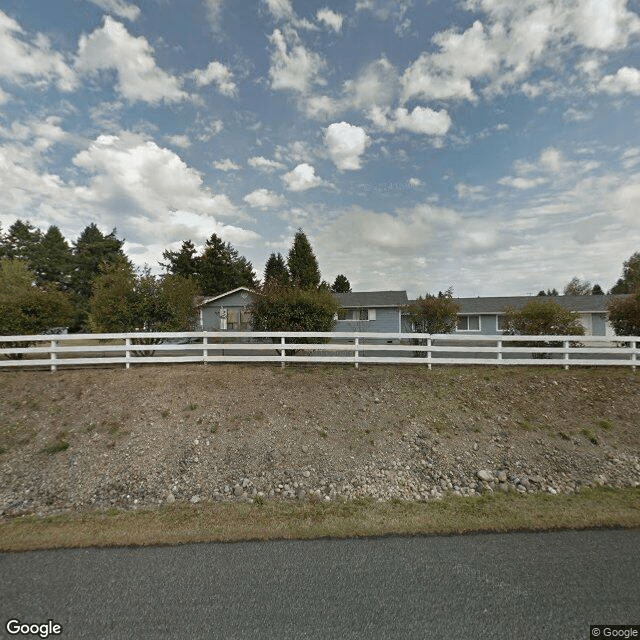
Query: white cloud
{"x": 415, "y": 182}
{"x": 292, "y": 65}
{"x": 521, "y": 183}
{"x": 346, "y": 144}
{"x": 301, "y": 178}
{"x": 38, "y": 61}
{"x": 128, "y": 168}
{"x": 330, "y": 18}
{"x": 423, "y": 120}
{"x": 181, "y": 141}
{"x": 118, "y": 8}
{"x": 280, "y": 9}
{"x": 226, "y": 165}
{"x": 209, "y": 129}
{"x": 576, "y": 115}
{"x": 217, "y": 73}
{"x": 625, "y": 80}
{"x": 139, "y": 78}
{"x": 214, "y": 13}
{"x": 264, "y": 199}
{"x": 471, "y": 192}
{"x": 264, "y": 164}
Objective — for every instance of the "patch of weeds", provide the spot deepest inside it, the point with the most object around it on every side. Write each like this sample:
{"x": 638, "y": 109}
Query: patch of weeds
{"x": 259, "y": 415}
{"x": 606, "y": 424}
{"x": 323, "y": 434}
{"x": 54, "y": 410}
{"x": 15, "y": 435}
{"x": 192, "y": 406}
{"x": 213, "y": 428}
{"x": 90, "y": 427}
{"x": 526, "y": 425}
{"x": 259, "y": 501}
{"x": 563, "y": 435}
{"x": 165, "y": 413}
{"x": 3, "y": 450}
{"x": 589, "y": 436}
{"x": 56, "y": 447}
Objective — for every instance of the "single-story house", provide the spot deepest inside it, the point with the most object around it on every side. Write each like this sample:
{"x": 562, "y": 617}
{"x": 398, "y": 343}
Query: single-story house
{"x": 369, "y": 311}
{"x": 485, "y": 315}
{"x": 226, "y": 311}
{"x": 385, "y": 311}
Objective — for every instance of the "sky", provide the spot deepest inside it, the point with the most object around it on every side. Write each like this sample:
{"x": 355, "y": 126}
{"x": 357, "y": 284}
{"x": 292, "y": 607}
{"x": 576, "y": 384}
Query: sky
{"x": 491, "y": 146}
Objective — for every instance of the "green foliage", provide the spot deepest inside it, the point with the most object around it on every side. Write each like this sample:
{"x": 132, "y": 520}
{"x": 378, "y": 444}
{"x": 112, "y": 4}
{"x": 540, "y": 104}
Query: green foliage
{"x": 302, "y": 263}
{"x": 577, "y": 287}
{"x": 624, "y": 315}
{"x": 21, "y": 241}
{"x": 540, "y": 317}
{"x": 548, "y": 292}
{"x": 26, "y": 309}
{"x": 123, "y": 301}
{"x": 434, "y": 314}
{"x": 291, "y": 309}
{"x": 92, "y": 253}
{"x": 341, "y": 284}
{"x": 276, "y": 272}
{"x": 53, "y": 260}
{"x": 630, "y": 275}
{"x": 219, "y": 269}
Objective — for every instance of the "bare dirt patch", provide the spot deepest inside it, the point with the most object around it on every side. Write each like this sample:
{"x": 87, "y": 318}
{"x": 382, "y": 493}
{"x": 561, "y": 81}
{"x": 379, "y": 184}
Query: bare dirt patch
{"x": 100, "y": 438}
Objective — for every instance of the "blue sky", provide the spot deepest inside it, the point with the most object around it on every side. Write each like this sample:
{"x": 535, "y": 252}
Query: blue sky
{"x": 488, "y": 145}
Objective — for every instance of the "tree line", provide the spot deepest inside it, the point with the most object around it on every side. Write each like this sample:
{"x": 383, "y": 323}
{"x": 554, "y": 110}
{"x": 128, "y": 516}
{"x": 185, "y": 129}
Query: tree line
{"x": 91, "y": 285}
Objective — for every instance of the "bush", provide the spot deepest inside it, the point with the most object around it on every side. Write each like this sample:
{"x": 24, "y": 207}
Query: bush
{"x": 624, "y": 315}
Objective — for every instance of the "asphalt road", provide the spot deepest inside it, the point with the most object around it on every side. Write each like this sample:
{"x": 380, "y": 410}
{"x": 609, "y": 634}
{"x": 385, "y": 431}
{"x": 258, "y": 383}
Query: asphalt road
{"x": 514, "y": 586}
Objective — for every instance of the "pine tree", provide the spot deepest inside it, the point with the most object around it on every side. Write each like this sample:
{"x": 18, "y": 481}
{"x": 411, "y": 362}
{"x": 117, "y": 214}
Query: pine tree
{"x": 223, "y": 269}
{"x": 21, "y": 241}
{"x": 341, "y": 284}
{"x": 630, "y": 275}
{"x": 185, "y": 262}
{"x": 92, "y": 252}
{"x": 53, "y": 262}
{"x": 302, "y": 263}
{"x": 275, "y": 271}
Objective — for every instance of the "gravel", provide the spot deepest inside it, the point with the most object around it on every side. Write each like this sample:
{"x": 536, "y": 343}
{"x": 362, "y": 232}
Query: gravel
{"x": 159, "y": 435}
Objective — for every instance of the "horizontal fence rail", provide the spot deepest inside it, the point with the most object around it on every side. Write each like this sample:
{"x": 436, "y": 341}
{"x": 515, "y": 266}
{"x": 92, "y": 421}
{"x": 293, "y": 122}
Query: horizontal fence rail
{"x": 55, "y": 351}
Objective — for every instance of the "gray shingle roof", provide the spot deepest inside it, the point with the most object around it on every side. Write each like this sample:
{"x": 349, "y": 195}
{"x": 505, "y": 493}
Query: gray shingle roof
{"x": 593, "y": 304}
{"x": 372, "y": 299}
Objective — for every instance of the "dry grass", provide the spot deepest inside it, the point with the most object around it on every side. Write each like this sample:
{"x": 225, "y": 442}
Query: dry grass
{"x": 228, "y": 522}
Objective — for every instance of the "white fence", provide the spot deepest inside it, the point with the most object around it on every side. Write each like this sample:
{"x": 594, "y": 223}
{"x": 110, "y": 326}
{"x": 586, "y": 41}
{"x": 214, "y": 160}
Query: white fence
{"x": 54, "y": 351}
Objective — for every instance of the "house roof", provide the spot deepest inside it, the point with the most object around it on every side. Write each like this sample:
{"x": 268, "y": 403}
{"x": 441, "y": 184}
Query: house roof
{"x": 372, "y": 299}
{"x": 206, "y": 300}
{"x": 586, "y": 304}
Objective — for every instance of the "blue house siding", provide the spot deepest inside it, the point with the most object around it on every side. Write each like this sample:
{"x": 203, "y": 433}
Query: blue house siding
{"x": 387, "y": 320}
{"x": 235, "y": 304}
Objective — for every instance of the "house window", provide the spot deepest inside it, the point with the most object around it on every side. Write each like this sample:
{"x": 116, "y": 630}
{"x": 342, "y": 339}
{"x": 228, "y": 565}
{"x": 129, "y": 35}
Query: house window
{"x": 232, "y": 319}
{"x": 357, "y": 315}
{"x": 468, "y": 323}
{"x": 500, "y": 323}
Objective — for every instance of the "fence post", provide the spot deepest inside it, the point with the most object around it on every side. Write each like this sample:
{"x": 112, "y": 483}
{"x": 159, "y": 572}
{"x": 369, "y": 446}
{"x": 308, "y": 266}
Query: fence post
{"x": 499, "y": 346}
{"x": 566, "y": 354}
{"x": 282, "y": 352}
{"x": 634, "y": 345}
{"x": 355, "y": 350}
{"x": 205, "y": 351}
{"x": 54, "y": 345}
{"x": 127, "y": 353}
{"x": 429, "y": 354}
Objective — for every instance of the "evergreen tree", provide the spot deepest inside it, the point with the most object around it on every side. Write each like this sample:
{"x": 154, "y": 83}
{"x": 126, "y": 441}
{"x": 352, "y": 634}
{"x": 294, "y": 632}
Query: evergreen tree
{"x": 21, "y": 241}
{"x": 53, "y": 262}
{"x": 223, "y": 269}
{"x": 302, "y": 263}
{"x": 275, "y": 272}
{"x": 341, "y": 284}
{"x": 92, "y": 252}
{"x": 184, "y": 262}
{"x": 597, "y": 290}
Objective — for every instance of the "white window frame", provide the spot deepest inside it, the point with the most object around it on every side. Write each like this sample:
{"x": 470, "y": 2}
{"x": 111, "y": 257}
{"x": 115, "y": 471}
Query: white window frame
{"x": 355, "y": 315}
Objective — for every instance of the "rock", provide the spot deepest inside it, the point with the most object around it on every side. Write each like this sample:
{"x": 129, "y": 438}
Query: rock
{"x": 302, "y": 494}
{"x": 305, "y": 448}
{"x": 237, "y": 491}
{"x": 195, "y": 499}
{"x": 485, "y": 475}
{"x": 501, "y": 475}
{"x": 475, "y": 446}
{"x": 171, "y": 498}
{"x": 521, "y": 489}
{"x": 306, "y": 474}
